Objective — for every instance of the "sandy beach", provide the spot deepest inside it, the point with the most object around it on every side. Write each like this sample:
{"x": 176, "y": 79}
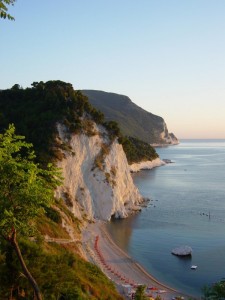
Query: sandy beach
{"x": 119, "y": 266}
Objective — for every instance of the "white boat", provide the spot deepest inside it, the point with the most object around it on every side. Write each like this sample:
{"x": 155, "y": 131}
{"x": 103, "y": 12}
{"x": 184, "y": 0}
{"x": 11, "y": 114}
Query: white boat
{"x": 193, "y": 267}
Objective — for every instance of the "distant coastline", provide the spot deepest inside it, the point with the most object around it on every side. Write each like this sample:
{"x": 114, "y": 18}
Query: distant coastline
{"x": 164, "y": 145}
{"x": 203, "y": 140}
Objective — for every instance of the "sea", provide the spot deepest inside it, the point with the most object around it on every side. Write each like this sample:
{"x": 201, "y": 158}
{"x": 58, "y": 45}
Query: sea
{"x": 187, "y": 207}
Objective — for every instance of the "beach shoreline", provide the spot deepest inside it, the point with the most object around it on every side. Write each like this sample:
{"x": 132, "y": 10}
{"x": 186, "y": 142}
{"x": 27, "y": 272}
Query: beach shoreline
{"x": 118, "y": 266}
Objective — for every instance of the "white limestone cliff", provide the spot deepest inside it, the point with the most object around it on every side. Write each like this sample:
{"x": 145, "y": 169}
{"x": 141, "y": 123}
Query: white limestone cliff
{"x": 168, "y": 138}
{"x": 146, "y": 165}
{"x": 91, "y": 192}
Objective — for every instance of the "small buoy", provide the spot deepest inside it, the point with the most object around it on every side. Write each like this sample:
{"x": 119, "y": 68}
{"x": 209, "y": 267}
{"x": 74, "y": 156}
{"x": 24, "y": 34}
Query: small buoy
{"x": 193, "y": 267}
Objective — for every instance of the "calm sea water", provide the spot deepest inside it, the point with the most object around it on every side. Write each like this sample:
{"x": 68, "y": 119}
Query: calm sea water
{"x": 187, "y": 208}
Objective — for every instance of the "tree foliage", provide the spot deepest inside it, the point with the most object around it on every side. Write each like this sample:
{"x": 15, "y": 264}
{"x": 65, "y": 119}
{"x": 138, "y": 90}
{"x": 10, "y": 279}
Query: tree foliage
{"x": 215, "y": 291}
{"x": 36, "y": 110}
{"x": 137, "y": 150}
{"x": 25, "y": 189}
{"x": 4, "y": 9}
{"x": 140, "y": 293}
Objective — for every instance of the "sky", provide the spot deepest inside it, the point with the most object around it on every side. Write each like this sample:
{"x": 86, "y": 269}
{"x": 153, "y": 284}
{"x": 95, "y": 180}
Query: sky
{"x": 167, "y": 56}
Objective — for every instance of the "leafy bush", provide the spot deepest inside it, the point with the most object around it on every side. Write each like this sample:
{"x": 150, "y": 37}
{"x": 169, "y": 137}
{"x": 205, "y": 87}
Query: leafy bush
{"x": 137, "y": 150}
{"x": 53, "y": 214}
{"x": 215, "y": 291}
{"x": 113, "y": 129}
{"x": 60, "y": 274}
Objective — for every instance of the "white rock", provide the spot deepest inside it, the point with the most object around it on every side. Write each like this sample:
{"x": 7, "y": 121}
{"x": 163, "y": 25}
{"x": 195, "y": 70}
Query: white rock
{"x": 182, "y": 251}
{"x": 146, "y": 165}
{"x": 88, "y": 188}
{"x": 168, "y": 138}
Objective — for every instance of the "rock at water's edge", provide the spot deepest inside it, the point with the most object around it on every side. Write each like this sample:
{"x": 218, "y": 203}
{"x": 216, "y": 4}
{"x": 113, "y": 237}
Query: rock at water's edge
{"x": 182, "y": 251}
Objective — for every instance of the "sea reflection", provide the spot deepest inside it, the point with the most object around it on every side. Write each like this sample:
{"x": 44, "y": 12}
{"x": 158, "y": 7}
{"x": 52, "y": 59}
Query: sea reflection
{"x": 182, "y": 194}
{"x": 121, "y": 231}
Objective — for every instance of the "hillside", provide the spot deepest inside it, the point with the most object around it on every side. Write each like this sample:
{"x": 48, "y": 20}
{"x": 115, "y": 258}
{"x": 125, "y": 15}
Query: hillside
{"x": 132, "y": 119}
{"x": 65, "y": 129}
{"x": 56, "y": 261}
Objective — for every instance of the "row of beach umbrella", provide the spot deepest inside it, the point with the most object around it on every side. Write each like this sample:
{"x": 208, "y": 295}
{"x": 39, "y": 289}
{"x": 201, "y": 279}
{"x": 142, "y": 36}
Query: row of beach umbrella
{"x": 121, "y": 277}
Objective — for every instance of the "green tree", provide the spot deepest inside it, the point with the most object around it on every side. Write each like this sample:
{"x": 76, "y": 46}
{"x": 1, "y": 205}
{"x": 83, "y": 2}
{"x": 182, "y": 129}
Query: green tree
{"x": 215, "y": 291}
{"x": 25, "y": 190}
{"x": 4, "y": 9}
{"x": 140, "y": 293}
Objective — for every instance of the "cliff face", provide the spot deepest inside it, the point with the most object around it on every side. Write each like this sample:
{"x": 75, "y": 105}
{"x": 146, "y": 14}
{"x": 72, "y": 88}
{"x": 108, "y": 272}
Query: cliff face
{"x": 146, "y": 165}
{"x": 96, "y": 192}
{"x": 166, "y": 137}
{"x": 97, "y": 181}
{"x": 132, "y": 119}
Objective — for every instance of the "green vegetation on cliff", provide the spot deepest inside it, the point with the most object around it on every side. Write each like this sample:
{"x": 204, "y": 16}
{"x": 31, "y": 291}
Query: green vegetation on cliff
{"x": 137, "y": 150}
{"x": 133, "y": 120}
{"x": 36, "y": 110}
{"x": 60, "y": 271}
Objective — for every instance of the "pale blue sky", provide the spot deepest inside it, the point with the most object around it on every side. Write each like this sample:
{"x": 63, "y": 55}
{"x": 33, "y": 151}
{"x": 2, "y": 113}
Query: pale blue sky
{"x": 168, "y": 56}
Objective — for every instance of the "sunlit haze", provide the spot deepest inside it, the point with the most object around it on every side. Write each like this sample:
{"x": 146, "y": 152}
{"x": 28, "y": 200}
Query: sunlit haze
{"x": 168, "y": 56}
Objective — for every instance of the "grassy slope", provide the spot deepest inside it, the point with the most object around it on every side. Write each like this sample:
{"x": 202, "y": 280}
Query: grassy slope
{"x": 58, "y": 268}
{"x": 133, "y": 120}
